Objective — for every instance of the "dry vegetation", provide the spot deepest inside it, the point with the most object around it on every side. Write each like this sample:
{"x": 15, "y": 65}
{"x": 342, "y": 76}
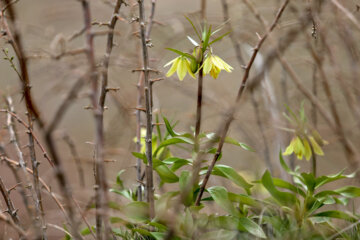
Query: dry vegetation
{"x": 98, "y": 142}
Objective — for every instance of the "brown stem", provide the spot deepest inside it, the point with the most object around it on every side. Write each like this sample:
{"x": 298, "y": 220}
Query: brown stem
{"x": 148, "y": 139}
{"x": 109, "y": 47}
{"x": 199, "y": 103}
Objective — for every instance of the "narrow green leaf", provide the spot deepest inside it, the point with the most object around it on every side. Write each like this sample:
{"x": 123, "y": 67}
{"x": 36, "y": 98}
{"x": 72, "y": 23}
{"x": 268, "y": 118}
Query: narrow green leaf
{"x": 221, "y": 234}
{"x": 184, "y": 181}
{"x": 140, "y": 156}
{"x": 286, "y": 185}
{"x": 182, "y": 53}
{"x": 158, "y": 235}
{"x": 171, "y": 141}
{"x": 251, "y": 227}
{"x": 137, "y": 211}
{"x": 284, "y": 198}
{"x": 166, "y": 174}
{"x": 169, "y": 128}
{"x": 244, "y": 199}
{"x": 336, "y": 214}
{"x": 240, "y": 144}
{"x": 219, "y": 38}
{"x": 349, "y": 191}
{"x": 192, "y": 24}
{"x": 232, "y": 175}
{"x": 322, "y": 180}
{"x": 220, "y": 196}
{"x": 206, "y": 39}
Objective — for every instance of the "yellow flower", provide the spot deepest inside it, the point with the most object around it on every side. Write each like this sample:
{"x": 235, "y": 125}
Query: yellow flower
{"x": 302, "y": 148}
{"x": 180, "y": 65}
{"x": 213, "y": 65}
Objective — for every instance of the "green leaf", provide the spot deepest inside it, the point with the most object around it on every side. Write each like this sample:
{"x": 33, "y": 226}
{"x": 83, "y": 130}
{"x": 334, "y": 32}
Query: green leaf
{"x": 184, "y": 183}
{"x": 117, "y": 220}
{"x": 349, "y": 191}
{"x": 284, "y": 184}
{"x": 141, "y": 231}
{"x": 284, "y": 198}
{"x": 232, "y": 175}
{"x": 176, "y": 163}
{"x": 336, "y": 214}
{"x": 283, "y": 163}
{"x": 219, "y": 38}
{"x": 309, "y": 180}
{"x": 220, "y": 196}
{"x": 86, "y": 231}
{"x": 237, "y": 143}
{"x": 166, "y": 174}
{"x": 192, "y": 24}
{"x": 206, "y": 39}
{"x": 158, "y": 235}
{"x": 251, "y": 227}
{"x": 182, "y": 53}
{"x": 140, "y": 156}
{"x": 118, "y": 179}
{"x": 159, "y": 226}
{"x": 221, "y": 234}
{"x": 244, "y": 199}
{"x": 169, "y": 128}
{"x": 137, "y": 211}
{"x": 172, "y": 141}
{"x": 320, "y": 181}
{"x": 125, "y": 193}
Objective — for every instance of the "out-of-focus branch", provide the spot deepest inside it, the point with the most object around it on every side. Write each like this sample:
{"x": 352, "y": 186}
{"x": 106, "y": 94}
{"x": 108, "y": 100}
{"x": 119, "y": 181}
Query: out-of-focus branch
{"x": 16, "y": 42}
{"x": 11, "y": 223}
{"x": 100, "y": 175}
{"x": 10, "y": 205}
{"x": 347, "y": 13}
{"x": 39, "y": 221}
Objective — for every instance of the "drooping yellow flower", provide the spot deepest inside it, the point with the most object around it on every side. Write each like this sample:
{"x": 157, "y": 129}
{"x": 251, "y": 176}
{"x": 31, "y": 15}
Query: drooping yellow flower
{"x": 302, "y": 148}
{"x": 180, "y": 65}
{"x": 214, "y": 64}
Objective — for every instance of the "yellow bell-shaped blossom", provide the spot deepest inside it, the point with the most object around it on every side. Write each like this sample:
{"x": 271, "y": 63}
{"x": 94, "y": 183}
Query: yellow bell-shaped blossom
{"x": 214, "y": 64}
{"x": 302, "y": 148}
{"x": 180, "y": 65}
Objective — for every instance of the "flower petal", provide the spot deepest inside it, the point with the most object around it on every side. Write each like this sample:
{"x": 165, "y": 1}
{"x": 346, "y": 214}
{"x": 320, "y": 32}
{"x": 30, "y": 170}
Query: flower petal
{"x": 207, "y": 65}
{"x": 173, "y": 68}
{"x": 182, "y": 68}
{"x": 189, "y": 70}
{"x": 225, "y": 66}
{"x": 316, "y": 147}
{"x": 290, "y": 149}
{"x": 307, "y": 148}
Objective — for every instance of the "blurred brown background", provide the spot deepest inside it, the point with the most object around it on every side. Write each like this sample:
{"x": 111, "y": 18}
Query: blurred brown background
{"x": 46, "y": 24}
